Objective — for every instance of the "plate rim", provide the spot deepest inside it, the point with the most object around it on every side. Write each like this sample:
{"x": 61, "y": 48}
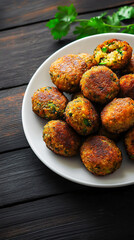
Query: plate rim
{"x": 81, "y": 182}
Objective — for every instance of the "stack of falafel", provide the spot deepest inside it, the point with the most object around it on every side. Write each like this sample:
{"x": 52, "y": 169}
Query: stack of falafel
{"x": 101, "y": 108}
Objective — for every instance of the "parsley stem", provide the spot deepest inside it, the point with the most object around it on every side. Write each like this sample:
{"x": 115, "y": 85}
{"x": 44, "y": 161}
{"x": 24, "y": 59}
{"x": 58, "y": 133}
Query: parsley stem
{"x": 118, "y": 26}
{"x": 108, "y": 25}
{"x": 81, "y": 20}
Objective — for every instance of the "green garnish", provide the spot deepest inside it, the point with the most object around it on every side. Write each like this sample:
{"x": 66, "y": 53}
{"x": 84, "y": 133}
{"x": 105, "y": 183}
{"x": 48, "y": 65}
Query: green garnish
{"x": 87, "y": 122}
{"x": 102, "y": 63}
{"x": 104, "y": 23}
{"x": 48, "y": 88}
{"x": 119, "y": 51}
{"x": 104, "y": 49}
{"x": 52, "y": 106}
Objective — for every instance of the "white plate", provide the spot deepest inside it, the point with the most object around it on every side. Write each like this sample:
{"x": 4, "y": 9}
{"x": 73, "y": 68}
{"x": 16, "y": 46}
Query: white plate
{"x": 70, "y": 168}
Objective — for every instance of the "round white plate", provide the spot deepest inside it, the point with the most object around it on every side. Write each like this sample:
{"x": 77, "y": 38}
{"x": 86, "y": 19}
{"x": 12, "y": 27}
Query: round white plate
{"x": 70, "y": 168}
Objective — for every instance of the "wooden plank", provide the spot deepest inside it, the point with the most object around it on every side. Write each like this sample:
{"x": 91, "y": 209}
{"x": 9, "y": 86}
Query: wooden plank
{"x": 24, "y": 49}
{"x": 100, "y": 214}
{"x": 12, "y": 136}
{"x": 24, "y": 177}
{"x": 17, "y": 13}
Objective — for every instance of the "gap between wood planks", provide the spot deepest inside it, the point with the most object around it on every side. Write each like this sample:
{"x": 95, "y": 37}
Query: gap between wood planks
{"x": 33, "y": 199}
{"x": 79, "y": 14}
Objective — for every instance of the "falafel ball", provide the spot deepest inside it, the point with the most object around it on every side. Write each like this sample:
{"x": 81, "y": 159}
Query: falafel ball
{"x": 60, "y": 138}
{"x": 67, "y": 71}
{"x": 88, "y": 59}
{"x": 129, "y": 143}
{"x": 49, "y": 103}
{"x": 100, "y": 155}
{"x": 127, "y": 86}
{"x": 129, "y": 68}
{"x": 113, "y": 53}
{"x": 118, "y": 115}
{"x": 100, "y": 84}
{"x": 131, "y": 65}
{"x": 81, "y": 115}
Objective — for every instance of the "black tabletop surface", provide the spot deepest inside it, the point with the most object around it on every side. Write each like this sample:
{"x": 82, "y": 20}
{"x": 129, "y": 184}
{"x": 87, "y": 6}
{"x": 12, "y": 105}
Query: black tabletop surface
{"x": 36, "y": 203}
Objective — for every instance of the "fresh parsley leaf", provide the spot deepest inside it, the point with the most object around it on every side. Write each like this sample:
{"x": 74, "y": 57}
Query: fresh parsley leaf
{"x": 66, "y": 14}
{"x": 104, "y": 23}
{"x": 98, "y": 24}
{"x": 60, "y": 30}
{"x": 90, "y": 27}
{"x": 113, "y": 20}
{"x": 63, "y": 18}
{"x": 129, "y": 29}
{"x": 125, "y": 12}
{"x": 84, "y": 30}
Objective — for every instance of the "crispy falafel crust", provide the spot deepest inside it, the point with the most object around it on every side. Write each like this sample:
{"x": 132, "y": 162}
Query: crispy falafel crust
{"x": 129, "y": 143}
{"x": 127, "y": 86}
{"x": 88, "y": 59}
{"x": 99, "y": 84}
{"x": 67, "y": 71}
{"x": 131, "y": 65}
{"x": 49, "y": 103}
{"x": 100, "y": 155}
{"x": 61, "y": 138}
{"x": 81, "y": 115}
{"x": 118, "y": 115}
{"x": 113, "y": 53}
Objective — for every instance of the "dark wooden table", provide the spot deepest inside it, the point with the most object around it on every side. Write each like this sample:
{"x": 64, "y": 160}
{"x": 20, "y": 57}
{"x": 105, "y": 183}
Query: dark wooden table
{"x": 35, "y": 203}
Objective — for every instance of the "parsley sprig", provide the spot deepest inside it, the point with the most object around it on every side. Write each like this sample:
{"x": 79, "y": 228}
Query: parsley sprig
{"x": 104, "y": 23}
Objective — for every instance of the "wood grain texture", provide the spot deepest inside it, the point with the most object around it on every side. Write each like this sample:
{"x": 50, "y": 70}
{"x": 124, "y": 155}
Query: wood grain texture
{"x": 23, "y": 177}
{"x": 101, "y": 214}
{"x": 12, "y": 135}
{"x": 35, "y": 203}
{"x": 16, "y": 13}
{"x": 24, "y": 49}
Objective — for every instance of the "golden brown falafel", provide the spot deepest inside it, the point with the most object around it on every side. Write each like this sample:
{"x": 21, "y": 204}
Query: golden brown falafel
{"x": 60, "y": 138}
{"x": 118, "y": 115}
{"x": 129, "y": 143}
{"x": 67, "y": 71}
{"x": 131, "y": 65}
{"x": 127, "y": 86}
{"x": 49, "y": 103}
{"x": 113, "y": 53}
{"x": 129, "y": 68}
{"x": 99, "y": 84}
{"x": 100, "y": 155}
{"x": 82, "y": 116}
{"x": 89, "y": 59}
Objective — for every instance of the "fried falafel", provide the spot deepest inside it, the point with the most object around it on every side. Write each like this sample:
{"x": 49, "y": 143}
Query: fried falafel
{"x": 99, "y": 84}
{"x": 127, "y": 86}
{"x": 81, "y": 115}
{"x": 113, "y": 53}
{"x": 118, "y": 115}
{"x": 100, "y": 155}
{"x": 61, "y": 138}
{"x": 129, "y": 143}
{"x": 67, "y": 71}
{"x": 49, "y": 103}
